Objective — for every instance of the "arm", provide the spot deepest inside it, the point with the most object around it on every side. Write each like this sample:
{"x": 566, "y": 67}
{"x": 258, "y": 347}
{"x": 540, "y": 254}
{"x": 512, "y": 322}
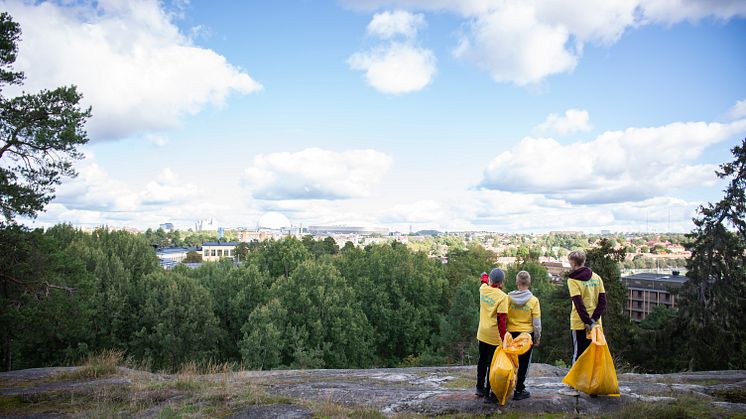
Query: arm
{"x": 502, "y": 324}
{"x": 537, "y": 330}
{"x": 600, "y": 308}
{"x": 580, "y": 308}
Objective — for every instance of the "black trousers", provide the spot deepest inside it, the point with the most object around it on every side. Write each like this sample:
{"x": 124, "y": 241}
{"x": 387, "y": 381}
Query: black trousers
{"x": 579, "y": 344}
{"x": 524, "y": 361}
{"x": 486, "y": 352}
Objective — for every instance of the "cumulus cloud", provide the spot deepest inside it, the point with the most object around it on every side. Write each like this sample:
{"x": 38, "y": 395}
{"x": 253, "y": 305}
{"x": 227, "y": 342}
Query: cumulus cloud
{"x": 524, "y": 41}
{"x": 512, "y": 211}
{"x": 133, "y": 65}
{"x": 94, "y": 190}
{"x": 397, "y": 68}
{"x": 574, "y": 120}
{"x": 390, "y": 24}
{"x": 157, "y": 140}
{"x": 514, "y": 46}
{"x": 738, "y": 110}
{"x": 424, "y": 211}
{"x": 618, "y": 166}
{"x": 315, "y": 174}
{"x": 167, "y": 189}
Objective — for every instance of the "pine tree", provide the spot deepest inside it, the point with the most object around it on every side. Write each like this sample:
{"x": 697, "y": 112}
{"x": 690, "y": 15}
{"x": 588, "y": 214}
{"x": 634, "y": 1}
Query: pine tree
{"x": 713, "y": 302}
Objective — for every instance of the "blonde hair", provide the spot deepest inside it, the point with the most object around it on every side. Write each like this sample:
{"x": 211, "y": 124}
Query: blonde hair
{"x": 523, "y": 278}
{"x": 577, "y": 257}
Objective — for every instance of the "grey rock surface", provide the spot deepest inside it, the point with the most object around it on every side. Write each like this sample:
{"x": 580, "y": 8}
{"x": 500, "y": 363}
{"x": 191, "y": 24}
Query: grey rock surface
{"x": 429, "y": 391}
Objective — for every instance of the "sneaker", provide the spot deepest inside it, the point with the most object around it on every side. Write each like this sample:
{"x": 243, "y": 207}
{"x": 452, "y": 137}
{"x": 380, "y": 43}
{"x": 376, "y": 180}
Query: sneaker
{"x": 520, "y": 395}
{"x": 490, "y": 398}
{"x": 569, "y": 391}
{"x": 479, "y": 392}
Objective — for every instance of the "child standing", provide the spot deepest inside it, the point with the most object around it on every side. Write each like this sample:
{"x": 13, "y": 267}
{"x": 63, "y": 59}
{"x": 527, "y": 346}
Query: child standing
{"x": 524, "y": 315}
{"x": 493, "y": 313}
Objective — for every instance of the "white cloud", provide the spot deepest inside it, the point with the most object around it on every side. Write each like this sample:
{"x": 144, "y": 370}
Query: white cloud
{"x": 95, "y": 191}
{"x": 617, "y": 166}
{"x": 673, "y": 11}
{"x": 167, "y": 189}
{"x": 131, "y": 62}
{"x": 574, "y": 120}
{"x": 425, "y": 211}
{"x": 397, "y": 68}
{"x": 524, "y": 41}
{"x": 738, "y": 110}
{"x": 513, "y": 46}
{"x": 157, "y": 140}
{"x": 316, "y": 174}
{"x": 390, "y": 24}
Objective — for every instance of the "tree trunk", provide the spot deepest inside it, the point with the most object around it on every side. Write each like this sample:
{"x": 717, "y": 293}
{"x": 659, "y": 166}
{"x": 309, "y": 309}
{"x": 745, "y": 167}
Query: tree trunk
{"x": 7, "y": 361}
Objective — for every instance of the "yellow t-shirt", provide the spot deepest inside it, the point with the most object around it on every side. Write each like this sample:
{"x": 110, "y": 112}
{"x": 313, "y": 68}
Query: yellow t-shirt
{"x": 521, "y": 318}
{"x": 491, "y": 302}
{"x": 589, "y": 291}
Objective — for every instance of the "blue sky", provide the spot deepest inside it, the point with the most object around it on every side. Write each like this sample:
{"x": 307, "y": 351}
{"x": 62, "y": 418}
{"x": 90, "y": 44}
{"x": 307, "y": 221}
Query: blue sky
{"x": 455, "y": 115}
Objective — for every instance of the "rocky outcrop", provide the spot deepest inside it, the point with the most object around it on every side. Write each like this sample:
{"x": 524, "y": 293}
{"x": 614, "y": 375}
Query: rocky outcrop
{"x": 428, "y": 391}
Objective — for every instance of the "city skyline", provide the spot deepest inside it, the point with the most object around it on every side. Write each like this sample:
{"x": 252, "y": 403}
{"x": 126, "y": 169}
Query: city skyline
{"x": 506, "y": 116}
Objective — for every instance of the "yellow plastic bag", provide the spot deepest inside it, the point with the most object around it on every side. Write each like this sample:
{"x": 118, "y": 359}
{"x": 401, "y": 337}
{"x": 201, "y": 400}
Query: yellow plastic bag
{"x": 505, "y": 364}
{"x": 593, "y": 372}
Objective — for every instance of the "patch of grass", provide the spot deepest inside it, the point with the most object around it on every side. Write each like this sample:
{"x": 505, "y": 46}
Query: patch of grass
{"x": 255, "y": 395}
{"x": 187, "y": 385}
{"x": 329, "y": 409}
{"x": 461, "y": 383}
{"x": 99, "y": 365}
{"x": 732, "y": 394}
{"x": 683, "y": 407}
{"x": 705, "y": 382}
{"x": 10, "y": 403}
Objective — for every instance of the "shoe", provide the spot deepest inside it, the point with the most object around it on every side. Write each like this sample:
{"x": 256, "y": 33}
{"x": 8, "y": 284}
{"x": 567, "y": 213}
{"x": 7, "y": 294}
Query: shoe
{"x": 479, "y": 392}
{"x": 490, "y": 398}
{"x": 569, "y": 391}
{"x": 520, "y": 395}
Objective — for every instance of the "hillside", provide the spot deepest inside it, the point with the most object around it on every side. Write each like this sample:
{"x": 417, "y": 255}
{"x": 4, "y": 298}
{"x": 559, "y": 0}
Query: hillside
{"x": 94, "y": 391}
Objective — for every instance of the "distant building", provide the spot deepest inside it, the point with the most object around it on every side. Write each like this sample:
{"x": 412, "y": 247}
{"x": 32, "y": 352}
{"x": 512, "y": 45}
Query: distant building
{"x": 206, "y": 225}
{"x": 214, "y": 251}
{"x": 248, "y": 235}
{"x": 166, "y": 227}
{"x": 556, "y": 269}
{"x": 330, "y": 230}
{"x": 172, "y": 254}
{"x": 646, "y": 290}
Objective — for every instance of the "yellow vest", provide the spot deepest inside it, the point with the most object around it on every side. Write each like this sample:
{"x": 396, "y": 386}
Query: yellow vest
{"x": 589, "y": 291}
{"x": 491, "y": 302}
{"x": 521, "y": 318}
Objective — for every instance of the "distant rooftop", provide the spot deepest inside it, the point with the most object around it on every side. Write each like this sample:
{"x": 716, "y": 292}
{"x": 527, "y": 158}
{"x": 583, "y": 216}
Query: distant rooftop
{"x": 653, "y": 281}
{"x": 234, "y": 244}
{"x": 647, "y": 276}
{"x": 166, "y": 250}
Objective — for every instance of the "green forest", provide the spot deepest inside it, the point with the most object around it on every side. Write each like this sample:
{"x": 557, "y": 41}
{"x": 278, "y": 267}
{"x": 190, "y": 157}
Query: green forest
{"x": 291, "y": 305}
{"x": 66, "y": 294}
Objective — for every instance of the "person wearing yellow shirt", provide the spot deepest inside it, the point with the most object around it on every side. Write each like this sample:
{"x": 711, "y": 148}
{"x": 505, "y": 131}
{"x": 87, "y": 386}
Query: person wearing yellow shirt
{"x": 493, "y": 313}
{"x": 588, "y": 296}
{"x": 524, "y": 315}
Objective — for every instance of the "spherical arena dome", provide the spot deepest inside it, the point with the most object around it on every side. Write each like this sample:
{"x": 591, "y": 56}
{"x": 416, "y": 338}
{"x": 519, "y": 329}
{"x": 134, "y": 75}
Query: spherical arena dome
{"x": 272, "y": 221}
